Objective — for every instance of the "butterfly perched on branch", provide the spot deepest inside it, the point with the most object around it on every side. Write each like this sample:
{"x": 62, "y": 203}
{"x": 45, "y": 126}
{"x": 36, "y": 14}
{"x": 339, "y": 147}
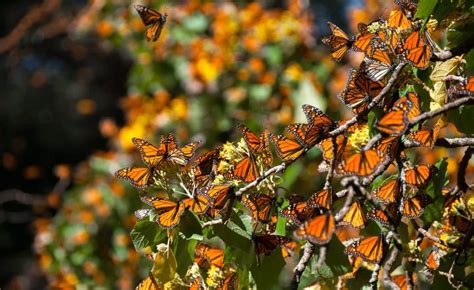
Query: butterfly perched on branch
{"x": 154, "y": 20}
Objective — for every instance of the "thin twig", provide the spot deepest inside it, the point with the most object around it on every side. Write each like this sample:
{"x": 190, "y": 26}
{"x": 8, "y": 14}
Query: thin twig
{"x": 449, "y": 106}
{"x": 461, "y": 176}
{"x": 303, "y": 262}
{"x": 347, "y": 203}
{"x": 266, "y": 174}
{"x": 213, "y": 222}
{"x": 387, "y": 279}
{"x": 444, "y": 142}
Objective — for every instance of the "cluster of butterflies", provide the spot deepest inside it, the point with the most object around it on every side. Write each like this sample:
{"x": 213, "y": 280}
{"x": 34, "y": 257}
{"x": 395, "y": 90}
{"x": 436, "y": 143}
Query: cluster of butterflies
{"x": 385, "y": 45}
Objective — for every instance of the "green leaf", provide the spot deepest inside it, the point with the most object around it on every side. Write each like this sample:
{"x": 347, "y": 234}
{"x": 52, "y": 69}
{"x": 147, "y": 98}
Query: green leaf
{"x": 371, "y": 122}
{"x": 273, "y": 55}
{"x": 267, "y": 274}
{"x": 425, "y": 8}
{"x": 147, "y": 234}
{"x": 460, "y": 118}
{"x": 434, "y": 210}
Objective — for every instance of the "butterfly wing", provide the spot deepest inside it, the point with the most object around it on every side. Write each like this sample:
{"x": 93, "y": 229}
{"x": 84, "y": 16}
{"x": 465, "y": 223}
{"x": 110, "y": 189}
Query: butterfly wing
{"x": 339, "y": 42}
{"x": 355, "y": 216}
{"x": 418, "y": 175}
{"x": 417, "y": 50}
{"x": 139, "y": 177}
{"x": 153, "y": 19}
{"x": 288, "y": 150}
{"x": 387, "y": 193}
{"x": 318, "y": 230}
{"x": 321, "y": 199}
{"x": 151, "y": 154}
{"x": 370, "y": 249}
{"x": 362, "y": 164}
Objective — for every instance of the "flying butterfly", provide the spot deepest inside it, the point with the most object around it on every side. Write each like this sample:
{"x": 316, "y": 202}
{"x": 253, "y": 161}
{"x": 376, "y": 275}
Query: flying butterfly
{"x": 318, "y": 230}
{"x": 339, "y": 42}
{"x": 204, "y": 167}
{"x": 167, "y": 151}
{"x": 154, "y": 20}
{"x": 362, "y": 163}
{"x": 359, "y": 91}
{"x": 169, "y": 212}
{"x": 355, "y": 217}
{"x": 370, "y": 249}
{"x": 413, "y": 207}
{"x": 257, "y": 145}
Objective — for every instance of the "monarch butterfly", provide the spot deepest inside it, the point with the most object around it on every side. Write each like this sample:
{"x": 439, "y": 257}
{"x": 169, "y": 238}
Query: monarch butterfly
{"x": 139, "y": 177}
{"x": 245, "y": 170}
{"x": 362, "y": 164}
{"x": 387, "y": 193}
{"x": 167, "y": 151}
{"x": 398, "y": 20}
{"x": 220, "y": 194}
{"x": 169, "y": 212}
{"x": 401, "y": 281}
{"x": 196, "y": 284}
{"x": 318, "y": 230}
{"x": 321, "y": 199}
{"x": 359, "y": 91}
{"x": 347, "y": 234}
{"x": 263, "y": 206}
{"x": 298, "y": 211}
{"x": 265, "y": 244}
{"x": 249, "y": 202}
{"x": 338, "y": 41}
{"x": 377, "y": 70}
{"x": 199, "y": 204}
{"x": 417, "y": 49}
{"x": 257, "y": 145}
{"x": 379, "y": 216}
{"x": 395, "y": 121}
{"x": 409, "y": 5}
{"x": 418, "y": 176}
{"x": 230, "y": 282}
{"x": 433, "y": 258}
{"x": 328, "y": 149}
{"x": 319, "y": 124}
{"x": 414, "y": 111}
{"x": 154, "y": 21}
{"x": 425, "y": 138}
{"x": 149, "y": 283}
{"x": 204, "y": 167}
{"x": 287, "y": 149}
{"x": 370, "y": 249}
{"x": 208, "y": 256}
{"x": 413, "y": 207}
{"x": 355, "y": 217}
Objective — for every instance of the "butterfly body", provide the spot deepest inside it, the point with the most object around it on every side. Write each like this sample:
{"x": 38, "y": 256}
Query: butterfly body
{"x": 154, "y": 20}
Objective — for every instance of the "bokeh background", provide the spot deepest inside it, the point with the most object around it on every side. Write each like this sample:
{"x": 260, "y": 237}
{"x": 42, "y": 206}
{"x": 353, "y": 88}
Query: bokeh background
{"x": 79, "y": 81}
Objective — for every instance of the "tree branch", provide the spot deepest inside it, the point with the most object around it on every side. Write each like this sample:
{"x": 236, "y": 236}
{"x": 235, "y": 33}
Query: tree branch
{"x": 266, "y": 174}
{"x": 304, "y": 260}
{"x": 461, "y": 176}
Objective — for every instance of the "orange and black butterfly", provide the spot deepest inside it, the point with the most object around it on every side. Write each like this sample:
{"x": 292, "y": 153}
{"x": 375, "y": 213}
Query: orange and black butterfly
{"x": 409, "y": 5}
{"x": 359, "y": 91}
{"x": 298, "y": 211}
{"x": 321, "y": 199}
{"x": 199, "y": 204}
{"x": 387, "y": 146}
{"x": 230, "y": 282}
{"x": 425, "y": 138}
{"x": 154, "y": 20}
{"x": 204, "y": 167}
{"x": 388, "y": 192}
{"x": 245, "y": 170}
{"x": 418, "y": 176}
{"x": 149, "y": 283}
{"x": 339, "y": 42}
{"x": 265, "y": 244}
{"x": 370, "y": 249}
{"x": 415, "y": 110}
{"x": 413, "y": 207}
{"x": 355, "y": 217}
{"x": 287, "y": 149}
{"x": 319, "y": 124}
{"x": 417, "y": 49}
{"x": 139, "y": 177}
{"x": 169, "y": 212}
{"x": 206, "y": 256}
{"x": 262, "y": 206}
{"x": 318, "y": 230}
{"x": 433, "y": 259}
{"x": 330, "y": 150}
{"x": 221, "y": 195}
{"x": 167, "y": 151}
{"x": 398, "y": 20}
{"x": 380, "y": 216}
{"x": 362, "y": 163}
{"x": 401, "y": 281}
{"x": 257, "y": 145}
{"x": 395, "y": 121}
